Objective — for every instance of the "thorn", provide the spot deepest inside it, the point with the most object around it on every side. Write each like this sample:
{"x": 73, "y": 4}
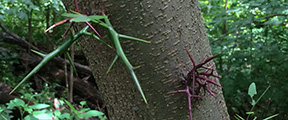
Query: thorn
{"x": 59, "y": 23}
{"x": 114, "y": 61}
{"x": 38, "y": 53}
{"x": 134, "y": 68}
{"x": 51, "y": 27}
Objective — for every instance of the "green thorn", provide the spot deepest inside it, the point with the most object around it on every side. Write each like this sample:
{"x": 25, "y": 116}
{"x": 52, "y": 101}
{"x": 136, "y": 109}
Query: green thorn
{"x": 114, "y": 61}
{"x": 38, "y": 53}
{"x": 97, "y": 38}
{"x": 134, "y": 68}
{"x": 75, "y": 12}
{"x": 138, "y": 85}
{"x": 133, "y": 38}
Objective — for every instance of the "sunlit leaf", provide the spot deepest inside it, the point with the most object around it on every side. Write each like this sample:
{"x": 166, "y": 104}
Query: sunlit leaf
{"x": 43, "y": 115}
{"x": 40, "y": 106}
{"x": 252, "y": 90}
{"x": 92, "y": 113}
{"x": 83, "y": 103}
{"x": 30, "y": 117}
{"x": 82, "y": 19}
{"x": 16, "y": 102}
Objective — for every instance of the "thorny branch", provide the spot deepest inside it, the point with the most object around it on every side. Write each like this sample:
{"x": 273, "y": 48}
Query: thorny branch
{"x": 201, "y": 77}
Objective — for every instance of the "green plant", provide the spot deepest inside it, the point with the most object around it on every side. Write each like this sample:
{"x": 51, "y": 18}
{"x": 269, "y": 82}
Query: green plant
{"x": 5, "y": 113}
{"x": 15, "y": 14}
{"x": 85, "y": 112}
{"x": 8, "y": 61}
{"x": 252, "y": 92}
{"x": 45, "y": 111}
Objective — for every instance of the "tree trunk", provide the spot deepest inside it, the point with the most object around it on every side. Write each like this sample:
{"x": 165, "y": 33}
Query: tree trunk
{"x": 170, "y": 25}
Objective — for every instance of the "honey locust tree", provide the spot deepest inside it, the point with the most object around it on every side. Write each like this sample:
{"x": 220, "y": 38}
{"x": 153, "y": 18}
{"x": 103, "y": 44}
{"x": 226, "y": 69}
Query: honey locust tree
{"x": 170, "y": 26}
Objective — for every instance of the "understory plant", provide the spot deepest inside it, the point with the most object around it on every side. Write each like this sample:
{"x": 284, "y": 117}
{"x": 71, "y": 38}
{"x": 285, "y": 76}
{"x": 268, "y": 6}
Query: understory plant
{"x": 252, "y": 92}
{"x": 39, "y": 111}
{"x": 200, "y": 75}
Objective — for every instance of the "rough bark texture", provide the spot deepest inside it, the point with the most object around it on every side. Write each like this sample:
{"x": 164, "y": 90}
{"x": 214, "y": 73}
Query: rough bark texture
{"x": 170, "y": 25}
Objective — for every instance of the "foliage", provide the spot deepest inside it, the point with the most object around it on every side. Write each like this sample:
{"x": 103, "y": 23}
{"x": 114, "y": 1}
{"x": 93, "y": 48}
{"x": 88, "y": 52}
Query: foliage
{"x": 8, "y": 61}
{"x": 252, "y": 92}
{"x": 15, "y": 15}
{"x": 252, "y": 35}
{"x": 5, "y": 113}
{"x": 46, "y": 111}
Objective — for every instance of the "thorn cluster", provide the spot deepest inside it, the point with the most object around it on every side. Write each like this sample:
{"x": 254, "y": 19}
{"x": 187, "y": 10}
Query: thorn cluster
{"x": 200, "y": 75}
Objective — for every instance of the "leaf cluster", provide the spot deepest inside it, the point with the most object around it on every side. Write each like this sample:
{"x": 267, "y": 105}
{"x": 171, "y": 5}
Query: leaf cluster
{"x": 45, "y": 111}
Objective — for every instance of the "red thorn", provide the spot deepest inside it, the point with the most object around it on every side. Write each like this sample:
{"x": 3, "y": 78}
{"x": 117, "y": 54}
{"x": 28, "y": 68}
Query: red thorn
{"x": 58, "y": 23}
{"x": 93, "y": 29}
{"x": 76, "y": 5}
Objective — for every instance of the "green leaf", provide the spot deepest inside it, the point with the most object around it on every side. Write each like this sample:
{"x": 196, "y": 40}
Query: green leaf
{"x": 84, "y": 109}
{"x": 28, "y": 108}
{"x": 40, "y": 106}
{"x": 83, "y": 103}
{"x": 43, "y": 114}
{"x": 57, "y": 113}
{"x": 22, "y": 14}
{"x": 233, "y": 10}
{"x": 30, "y": 117}
{"x": 92, "y": 113}
{"x": 1, "y": 17}
{"x": 96, "y": 17}
{"x": 25, "y": 1}
{"x": 77, "y": 17}
{"x": 80, "y": 19}
{"x": 252, "y": 90}
{"x": 34, "y": 7}
{"x": 65, "y": 115}
{"x": 5, "y": 113}
{"x": 16, "y": 103}
{"x": 71, "y": 107}
{"x": 71, "y": 15}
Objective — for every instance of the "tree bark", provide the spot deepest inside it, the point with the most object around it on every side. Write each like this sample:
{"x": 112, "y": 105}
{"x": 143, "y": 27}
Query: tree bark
{"x": 170, "y": 25}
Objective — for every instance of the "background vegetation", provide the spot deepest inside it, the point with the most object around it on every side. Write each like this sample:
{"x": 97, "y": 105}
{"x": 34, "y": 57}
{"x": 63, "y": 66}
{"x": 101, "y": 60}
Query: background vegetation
{"x": 252, "y": 36}
{"x": 28, "y": 19}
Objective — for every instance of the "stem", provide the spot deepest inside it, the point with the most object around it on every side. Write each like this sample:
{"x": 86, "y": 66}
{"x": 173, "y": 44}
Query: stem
{"x": 257, "y": 101}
